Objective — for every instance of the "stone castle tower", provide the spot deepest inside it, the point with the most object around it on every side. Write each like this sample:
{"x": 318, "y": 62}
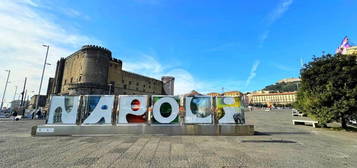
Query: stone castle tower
{"x": 168, "y": 84}
{"x": 93, "y": 70}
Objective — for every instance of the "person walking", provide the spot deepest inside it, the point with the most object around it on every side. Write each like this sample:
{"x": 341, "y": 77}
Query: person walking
{"x": 39, "y": 114}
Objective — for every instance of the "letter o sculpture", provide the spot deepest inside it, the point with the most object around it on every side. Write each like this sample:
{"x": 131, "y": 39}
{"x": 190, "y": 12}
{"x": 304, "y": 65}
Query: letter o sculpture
{"x": 174, "y": 110}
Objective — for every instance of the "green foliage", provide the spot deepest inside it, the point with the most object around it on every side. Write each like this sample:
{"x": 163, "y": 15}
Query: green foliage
{"x": 282, "y": 87}
{"x": 328, "y": 90}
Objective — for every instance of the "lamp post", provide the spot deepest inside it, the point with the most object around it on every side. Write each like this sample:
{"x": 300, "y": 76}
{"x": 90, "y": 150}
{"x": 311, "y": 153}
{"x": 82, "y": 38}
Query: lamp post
{"x": 15, "y": 93}
{"x": 43, "y": 71}
{"x": 3, "y": 95}
{"x": 110, "y": 88}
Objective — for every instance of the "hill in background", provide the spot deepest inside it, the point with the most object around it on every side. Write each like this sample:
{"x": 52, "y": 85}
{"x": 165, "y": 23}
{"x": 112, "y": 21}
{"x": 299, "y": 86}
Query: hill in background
{"x": 282, "y": 87}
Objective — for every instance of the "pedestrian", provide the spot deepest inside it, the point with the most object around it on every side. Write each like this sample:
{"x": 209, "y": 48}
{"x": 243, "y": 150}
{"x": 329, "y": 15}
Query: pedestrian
{"x": 39, "y": 114}
{"x": 32, "y": 115}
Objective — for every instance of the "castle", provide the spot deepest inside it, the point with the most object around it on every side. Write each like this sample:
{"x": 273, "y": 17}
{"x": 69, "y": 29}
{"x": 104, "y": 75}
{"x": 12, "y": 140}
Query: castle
{"x": 93, "y": 71}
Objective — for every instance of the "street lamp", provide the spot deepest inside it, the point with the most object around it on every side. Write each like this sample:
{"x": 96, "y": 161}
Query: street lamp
{"x": 3, "y": 95}
{"x": 43, "y": 71}
{"x": 110, "y": 88}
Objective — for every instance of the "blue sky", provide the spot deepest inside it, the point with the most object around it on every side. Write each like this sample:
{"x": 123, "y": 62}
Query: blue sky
{"x": 205, "y": 44}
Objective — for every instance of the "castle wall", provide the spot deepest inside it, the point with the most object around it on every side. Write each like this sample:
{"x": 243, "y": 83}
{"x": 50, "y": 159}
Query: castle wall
{"x": 134, "y": 84}
{"x": 73, "y": 70}
{"x": 115, "y": 76}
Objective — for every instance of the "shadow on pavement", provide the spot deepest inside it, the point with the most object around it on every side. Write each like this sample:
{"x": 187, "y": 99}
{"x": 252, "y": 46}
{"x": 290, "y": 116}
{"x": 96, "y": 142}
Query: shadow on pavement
{"x": 280, "y": 133}
{"x": 267, "y": 141}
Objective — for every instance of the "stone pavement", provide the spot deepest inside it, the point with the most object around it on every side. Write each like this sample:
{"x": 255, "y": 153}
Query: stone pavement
{"x": 278, "y": 143}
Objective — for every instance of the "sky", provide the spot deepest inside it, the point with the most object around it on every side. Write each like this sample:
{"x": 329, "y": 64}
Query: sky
{"x": 207, "y": 45}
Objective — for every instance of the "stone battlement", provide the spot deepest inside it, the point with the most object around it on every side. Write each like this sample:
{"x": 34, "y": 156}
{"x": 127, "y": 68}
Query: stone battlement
{"x": 97, "y": 48}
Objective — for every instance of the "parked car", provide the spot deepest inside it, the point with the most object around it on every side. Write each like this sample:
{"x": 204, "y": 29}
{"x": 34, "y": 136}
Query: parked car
{"x": 294, "y": 112}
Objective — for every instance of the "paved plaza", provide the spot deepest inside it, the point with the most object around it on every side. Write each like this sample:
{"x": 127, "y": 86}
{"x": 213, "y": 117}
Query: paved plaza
{"x": 278, "y": 143}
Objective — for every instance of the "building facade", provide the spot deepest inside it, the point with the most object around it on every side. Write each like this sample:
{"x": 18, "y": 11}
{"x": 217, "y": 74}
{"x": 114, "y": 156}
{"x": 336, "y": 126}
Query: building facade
{"x": 230, "y": 93}
{"x": 352, "y": 50}
{"x": 41, "y": 101}
{"x": 288, "y": 80}
{"x": 272, "y": 98}
{"x": 213, "y": 94}
{"x": 93, "y": 70}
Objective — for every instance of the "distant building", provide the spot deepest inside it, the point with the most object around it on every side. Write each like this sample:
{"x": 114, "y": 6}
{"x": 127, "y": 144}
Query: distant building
{"x": 192, "y": 93}
{"x": 346, "y": 48}
{"x": 41, "y": 101}
{"x": 232, "y": 93}
{"x": 15, "y": 104}
{"x": 272, "y": 98}
{"x": 92, "y": 70}
{"x": 352, "y": 51}
{"x": 213, "y": 94}
{"x": 288, "y": 80}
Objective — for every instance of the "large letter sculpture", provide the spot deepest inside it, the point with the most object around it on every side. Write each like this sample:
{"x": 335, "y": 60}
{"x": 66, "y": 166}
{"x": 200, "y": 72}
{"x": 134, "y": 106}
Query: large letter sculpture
{"x": 198, "y": 110}
{"x": 132, "y": 109}
{"x": 165, "y": 110}
{"x": 229, "y": 110}
{"x": 98, "y": 109}
{"x": 63, "y": 109}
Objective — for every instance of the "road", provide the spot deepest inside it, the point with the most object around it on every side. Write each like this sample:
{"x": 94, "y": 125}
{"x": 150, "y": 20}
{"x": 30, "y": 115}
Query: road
{"x": 278, "y": 143}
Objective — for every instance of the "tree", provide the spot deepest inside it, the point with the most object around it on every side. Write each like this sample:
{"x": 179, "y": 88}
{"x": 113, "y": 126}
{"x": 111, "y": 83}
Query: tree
{"x": 328, "y": 90}
{"x": 282, "y": 87}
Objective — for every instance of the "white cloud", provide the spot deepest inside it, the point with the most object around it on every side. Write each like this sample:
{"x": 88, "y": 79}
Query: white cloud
{"x": 147, "y": 65}
{"x": 274, "y": 15}
{"x": 263, "y": 37}
{"x": 252, "y": 73}
{"x": 279, "y": 11}
{"x": 74, "y": 13}
{"x": 23, "y": 30}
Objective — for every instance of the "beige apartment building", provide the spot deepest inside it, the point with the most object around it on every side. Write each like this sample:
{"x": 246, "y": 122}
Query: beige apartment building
{"x": 272, "y": 98}
{"x": 230, "y": 93}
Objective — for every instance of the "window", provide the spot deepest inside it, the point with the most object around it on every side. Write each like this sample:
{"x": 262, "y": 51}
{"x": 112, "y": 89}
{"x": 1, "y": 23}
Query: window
{"x": 124, "y": 87}
{"x": 129, "y": 82}
{"x": 65, "y": 81}
{"x": 80, "y": 78}
{"x": 137, "y": 83}
{"x": 71, "y": 79}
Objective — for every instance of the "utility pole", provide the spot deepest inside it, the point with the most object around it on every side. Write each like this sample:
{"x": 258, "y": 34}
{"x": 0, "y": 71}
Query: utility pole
{"x": 25, "y": 100}
{"x": 23, "y": 93}
{"x": 43, "y": 71}
{"x": 15, "y": 93}
{"x": 3, "y": 95}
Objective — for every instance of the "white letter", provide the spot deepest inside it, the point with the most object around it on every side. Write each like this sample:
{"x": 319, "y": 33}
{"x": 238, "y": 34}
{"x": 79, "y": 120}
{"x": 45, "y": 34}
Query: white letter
{"x": 103, "y": 110}
{"x": 126, "y": 107}
{"x": 174, "y": 110}
{"x": 201, "y": 112}
{"x": 63, "y": 109}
